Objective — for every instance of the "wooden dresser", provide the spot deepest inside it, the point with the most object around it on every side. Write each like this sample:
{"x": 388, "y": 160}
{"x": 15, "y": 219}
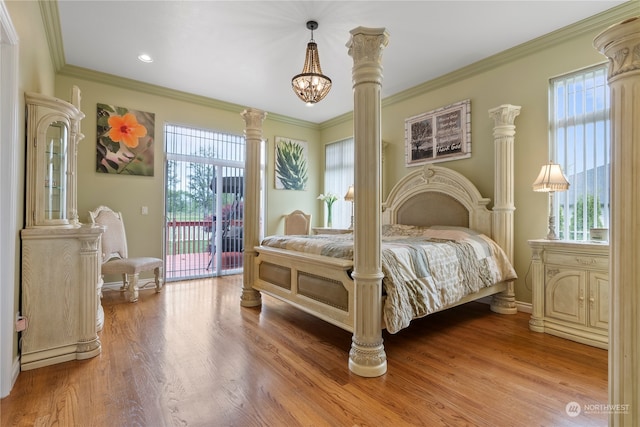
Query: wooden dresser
{"x": 570, "y": 282}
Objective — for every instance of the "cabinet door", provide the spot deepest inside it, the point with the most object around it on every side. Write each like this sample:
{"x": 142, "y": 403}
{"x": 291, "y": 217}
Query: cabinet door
{"x": 599, "y": 300}
{"x": 54, "y": 179}
{"x": 565, "y": 294}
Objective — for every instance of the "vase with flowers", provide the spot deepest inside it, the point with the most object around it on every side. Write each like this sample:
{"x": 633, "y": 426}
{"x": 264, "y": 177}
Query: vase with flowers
{"x": 329, "y": 199}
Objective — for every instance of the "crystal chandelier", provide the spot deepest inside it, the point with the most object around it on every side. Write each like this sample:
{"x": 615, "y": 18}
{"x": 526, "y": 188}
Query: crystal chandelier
{"x": 311, "y": 85}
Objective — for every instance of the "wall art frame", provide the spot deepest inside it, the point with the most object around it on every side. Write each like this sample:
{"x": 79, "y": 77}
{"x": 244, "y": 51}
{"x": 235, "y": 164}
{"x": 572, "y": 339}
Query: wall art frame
{"x": 125, "y": 141}
{"x": 439, "y": 135}
{"x": 291, "y": 169}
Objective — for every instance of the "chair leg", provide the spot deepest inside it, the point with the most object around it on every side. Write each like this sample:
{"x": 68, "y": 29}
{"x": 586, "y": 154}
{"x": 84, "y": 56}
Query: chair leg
{"x": 125, "y": 283}
{"x": 131, "y": 292}
{"x": 156, "y": 273}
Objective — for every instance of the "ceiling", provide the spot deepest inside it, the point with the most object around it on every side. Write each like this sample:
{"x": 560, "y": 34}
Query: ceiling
{"x": 246, "y": 52}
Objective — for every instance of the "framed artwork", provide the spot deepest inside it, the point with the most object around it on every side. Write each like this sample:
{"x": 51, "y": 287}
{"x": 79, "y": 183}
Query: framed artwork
{"x": 124, "y": 141}
{"x": 291, "y": 170}
{"x": 439, "y": 135}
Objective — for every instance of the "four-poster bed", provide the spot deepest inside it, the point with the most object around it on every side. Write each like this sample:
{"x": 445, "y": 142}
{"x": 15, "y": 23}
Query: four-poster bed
{"x": 349, "y": 292}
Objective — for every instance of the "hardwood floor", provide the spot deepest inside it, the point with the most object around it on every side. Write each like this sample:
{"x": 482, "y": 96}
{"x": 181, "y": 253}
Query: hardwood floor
{"x": 191, "y": 356}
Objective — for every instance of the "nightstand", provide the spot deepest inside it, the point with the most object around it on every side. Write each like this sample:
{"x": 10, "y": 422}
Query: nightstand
{"x": 326, "y": 230}
{"x": 571, "y": 290}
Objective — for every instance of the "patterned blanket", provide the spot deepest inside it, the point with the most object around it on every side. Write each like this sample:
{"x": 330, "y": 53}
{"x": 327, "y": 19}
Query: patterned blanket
{"x": 425, "y": 268}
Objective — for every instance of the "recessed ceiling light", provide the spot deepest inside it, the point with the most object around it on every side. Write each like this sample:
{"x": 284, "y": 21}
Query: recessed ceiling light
{"x": 145, "y": 58}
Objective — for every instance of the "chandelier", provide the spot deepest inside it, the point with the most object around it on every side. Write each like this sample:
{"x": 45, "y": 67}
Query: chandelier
{"x": 311, "y": 85}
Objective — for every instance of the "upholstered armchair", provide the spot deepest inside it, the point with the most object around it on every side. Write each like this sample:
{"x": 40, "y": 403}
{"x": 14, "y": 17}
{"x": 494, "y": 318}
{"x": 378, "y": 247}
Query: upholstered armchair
{"x": 115, "y": 258}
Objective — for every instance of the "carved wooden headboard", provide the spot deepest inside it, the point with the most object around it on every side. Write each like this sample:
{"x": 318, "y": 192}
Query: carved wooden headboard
{"x": 435, "y": 195}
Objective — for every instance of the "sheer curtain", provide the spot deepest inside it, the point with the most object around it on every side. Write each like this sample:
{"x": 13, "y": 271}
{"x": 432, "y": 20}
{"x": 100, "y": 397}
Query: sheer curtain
{"x": 338, "y": 176}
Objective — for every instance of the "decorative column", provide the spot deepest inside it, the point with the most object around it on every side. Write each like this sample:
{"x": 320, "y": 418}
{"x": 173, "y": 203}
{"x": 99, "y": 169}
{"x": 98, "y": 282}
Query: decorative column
{"x": 76, "y": 136}
{"x": 503, "y": 206}
{"x": 621, "y": 44}
{"x": 367, "y": 357}
{"x": 253, "y": 134}
{"x": 90, "y": 308}
{"x": 536, "y": 322}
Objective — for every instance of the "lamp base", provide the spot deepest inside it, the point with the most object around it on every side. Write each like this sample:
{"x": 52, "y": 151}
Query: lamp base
{"x": 551, "y": 235}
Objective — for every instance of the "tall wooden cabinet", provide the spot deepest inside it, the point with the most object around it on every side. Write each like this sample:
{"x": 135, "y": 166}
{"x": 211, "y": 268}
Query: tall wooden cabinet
{"x": 571, "y": 290}
{"x": 60, "y": 262}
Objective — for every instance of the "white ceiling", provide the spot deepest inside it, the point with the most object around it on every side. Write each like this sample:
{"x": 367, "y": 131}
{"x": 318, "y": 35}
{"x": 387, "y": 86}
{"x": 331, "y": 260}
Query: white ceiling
{"x": 245, "y": 52}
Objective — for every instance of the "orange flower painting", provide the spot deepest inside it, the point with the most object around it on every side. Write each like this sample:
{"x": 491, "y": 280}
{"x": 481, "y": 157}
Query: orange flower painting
{"x": 126, "y": 129}
{"x": 125, "y": 141}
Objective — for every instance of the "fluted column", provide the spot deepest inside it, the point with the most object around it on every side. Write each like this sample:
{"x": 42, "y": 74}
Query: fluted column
{"x": 367, "y": 357}
{"x": 536, "y": 322}
{"x": 89, "y": 270}
{"x": 621, "y": 44}
{"x": 253, "y": 119}
{"x": 504, "y": 130}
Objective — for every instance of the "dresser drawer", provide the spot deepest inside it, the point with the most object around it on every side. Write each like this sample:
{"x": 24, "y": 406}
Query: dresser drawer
{"x": 583, "y": 260}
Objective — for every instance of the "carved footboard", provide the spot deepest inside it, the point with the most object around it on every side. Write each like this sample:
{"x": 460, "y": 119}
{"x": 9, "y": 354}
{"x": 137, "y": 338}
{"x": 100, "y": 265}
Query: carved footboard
{"x": 319, "y": 285}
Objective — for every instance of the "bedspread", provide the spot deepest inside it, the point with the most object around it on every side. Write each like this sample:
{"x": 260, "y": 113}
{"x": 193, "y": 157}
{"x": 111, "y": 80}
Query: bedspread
{"x": 425, "y": 268}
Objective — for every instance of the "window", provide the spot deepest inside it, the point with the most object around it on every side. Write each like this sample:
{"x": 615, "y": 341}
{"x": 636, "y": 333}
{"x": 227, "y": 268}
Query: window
{"x": 580, "y": 143}
{"x": 338, "y": 176}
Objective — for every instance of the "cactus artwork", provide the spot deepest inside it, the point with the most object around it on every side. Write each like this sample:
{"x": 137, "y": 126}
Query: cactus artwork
{"x": 291, "y": 164}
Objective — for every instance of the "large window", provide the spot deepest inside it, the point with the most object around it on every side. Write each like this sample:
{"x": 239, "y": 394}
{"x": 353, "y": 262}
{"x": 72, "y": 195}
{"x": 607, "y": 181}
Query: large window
{"x": 580, "y": 143}
{"x": 338, "y": 176}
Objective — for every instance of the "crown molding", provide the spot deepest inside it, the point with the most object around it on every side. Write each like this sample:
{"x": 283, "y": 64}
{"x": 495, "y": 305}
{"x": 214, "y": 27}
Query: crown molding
{"x": 51, "y": 22}
{"x": 136, "y": 85}
{"x": 592, "y": 24}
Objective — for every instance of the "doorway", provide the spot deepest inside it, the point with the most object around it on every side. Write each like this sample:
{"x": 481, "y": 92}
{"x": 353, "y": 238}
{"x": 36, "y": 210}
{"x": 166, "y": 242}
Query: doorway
{"x": 204, "y": 199}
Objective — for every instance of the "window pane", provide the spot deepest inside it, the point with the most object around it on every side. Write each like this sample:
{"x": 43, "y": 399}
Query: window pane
{"x": 580, "y": 143}
{"x": 338, "y": 176}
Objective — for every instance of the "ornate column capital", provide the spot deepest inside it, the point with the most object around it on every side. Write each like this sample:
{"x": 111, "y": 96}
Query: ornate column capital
{"x": 621, "y": 44}
{"x": 253, "y": 119}
{"x": 366, "y": 44}
{"x": 504, "y": 115}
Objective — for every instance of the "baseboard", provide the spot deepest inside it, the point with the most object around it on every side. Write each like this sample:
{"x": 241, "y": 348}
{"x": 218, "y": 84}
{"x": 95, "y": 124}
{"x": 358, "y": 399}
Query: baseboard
{"x": 15, "y": 370}
{"x": 524, "y": 307}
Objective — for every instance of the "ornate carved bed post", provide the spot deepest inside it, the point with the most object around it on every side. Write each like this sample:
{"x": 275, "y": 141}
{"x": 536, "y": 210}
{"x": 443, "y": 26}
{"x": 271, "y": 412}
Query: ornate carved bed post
{"x": 621, "y": 44}
{"x": 367, "y": 357}
{"x": 503, "y": 206}
{"x": 253, "y": 133}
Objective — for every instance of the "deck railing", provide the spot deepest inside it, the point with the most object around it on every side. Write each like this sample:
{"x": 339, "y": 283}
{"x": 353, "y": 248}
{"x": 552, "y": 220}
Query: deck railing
{"x": 189, "y": 249}
{"x": 189, "y": 237}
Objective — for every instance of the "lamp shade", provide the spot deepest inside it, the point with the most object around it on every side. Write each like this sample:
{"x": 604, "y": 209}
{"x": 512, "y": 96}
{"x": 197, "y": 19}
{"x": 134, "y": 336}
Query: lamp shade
{"x": 551, "y": 178}
{"x": 350, "y": 194}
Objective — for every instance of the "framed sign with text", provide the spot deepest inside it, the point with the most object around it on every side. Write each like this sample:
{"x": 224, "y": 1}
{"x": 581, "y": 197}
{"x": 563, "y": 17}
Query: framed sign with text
{"x": 439, "y": 135}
